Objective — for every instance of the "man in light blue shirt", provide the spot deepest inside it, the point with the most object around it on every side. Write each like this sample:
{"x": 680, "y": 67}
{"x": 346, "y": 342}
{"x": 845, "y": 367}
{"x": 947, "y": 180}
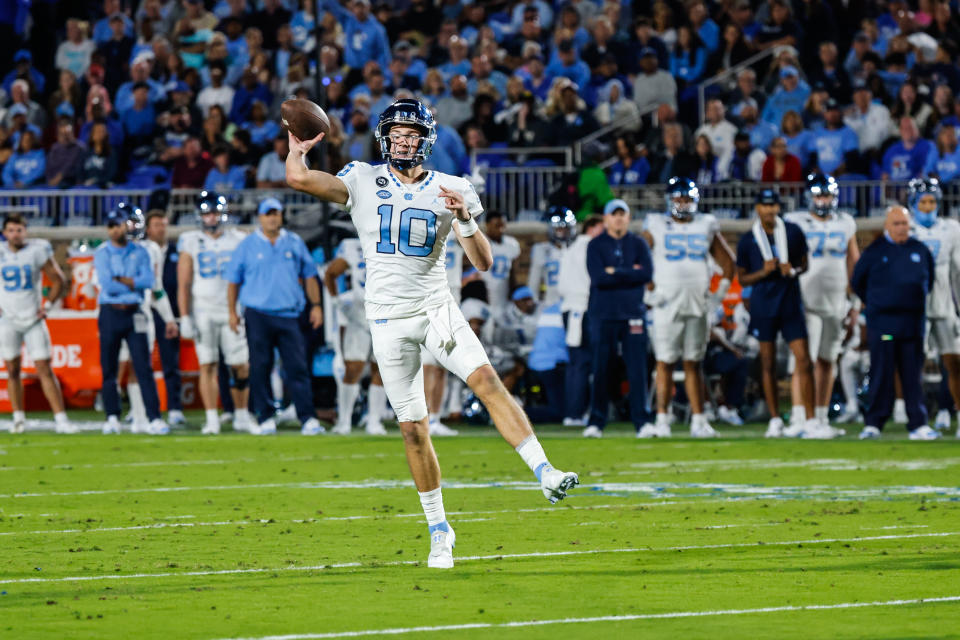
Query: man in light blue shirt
{"x": 124, "y": 273}
{"x": 267, "y": 275}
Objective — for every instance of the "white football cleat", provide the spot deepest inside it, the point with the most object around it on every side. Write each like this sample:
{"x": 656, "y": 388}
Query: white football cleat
{"x": 312, "y": 427}
{"x": 266, "y": 428}
{"x": 556, "y": 483}
{"x": 703, "y": 430}
{"x": 729, "y": 415}
{"x": 66, "y": 427}
{"x": 441, "y": 549}
{"x": 774, "y": 428}
{"x": 924, "y": 432}
{"x": 240, "y": 426}
{"x": 175, "y": 418}
{"x": 226, "y": 417}
{"x": 158, "y": 428}
{"x": 18, "y": 426}
{"x": 341, "y": 429}
{"x": 593, "y": 431}
{"x": 824, "y": 432}
{"x": 288, "y": 415}
{"x": 942, "y": 421}
{"x": 111, "y": 426}
{"x": 437, "y": 428}
{"x": 211, "y": 428}
{"x": 650, "y": 430}
{"x": 375, "y": 429}
{"x": 139, "y": 427}
{"x": 870, "y": 433}
{"x": 574, "y": 422}
{"x": 848, "y": 416}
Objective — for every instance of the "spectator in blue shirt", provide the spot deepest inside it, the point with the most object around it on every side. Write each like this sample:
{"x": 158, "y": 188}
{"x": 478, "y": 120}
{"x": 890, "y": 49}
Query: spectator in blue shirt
{"x": 481, "y": 70}
{"x": 250, "y": 90}
{"x": 459, "y": 62}
{"x": 366, "y": 38}
{"x": 631, "y": 167}
{"x": 18, "y": 124}
{"x": 101, "y": 28}
{"x": 688, "y": 59}
{"x": 704, "y": 25}
{"x": 262, "y": 130}
{"x": 796, "y": 137}
{"x": 139, "y": 120}
{"x": 907, "y": 158}
{"x": 23, "y": 68}
{"x": 790, "y": 95}
{"x": 27, "y": 166}
{"x": 222, "y": 176}
{"x": 139, "y": 73}
{"x": 570, "y": 26}
{"x": 265, "y": 276}
{"x": 568, "y": 65}
{"x": 761, "y": 133}
{"x": 833, "y": 148}
{"x": 944, "y": 160}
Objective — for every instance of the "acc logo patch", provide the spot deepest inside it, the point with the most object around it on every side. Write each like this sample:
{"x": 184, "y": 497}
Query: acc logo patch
{"x": 381, "y": 181}
{"x": 383, "y": 193}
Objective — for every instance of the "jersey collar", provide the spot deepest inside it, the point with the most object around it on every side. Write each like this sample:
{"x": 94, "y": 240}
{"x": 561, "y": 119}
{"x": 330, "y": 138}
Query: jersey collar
{"x": 417, "y": 187}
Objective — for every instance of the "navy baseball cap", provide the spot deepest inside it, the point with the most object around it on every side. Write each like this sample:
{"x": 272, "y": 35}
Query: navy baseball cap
{"x": 768, "y": 196}
{"x": 648, "y": 51}
{"x": 269, "y": 204}
{"x": 115, "y": 217}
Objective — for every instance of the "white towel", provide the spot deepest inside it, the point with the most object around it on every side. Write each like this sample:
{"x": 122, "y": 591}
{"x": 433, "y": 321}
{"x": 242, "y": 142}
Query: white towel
{"x": 441, "y": 321}
{"x": 779, "y": 239}
{"x": 574, "y": 328}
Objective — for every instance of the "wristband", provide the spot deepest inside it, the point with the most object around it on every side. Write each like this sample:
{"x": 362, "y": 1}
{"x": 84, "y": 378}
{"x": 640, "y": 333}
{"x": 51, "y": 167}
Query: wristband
{"x": 468, "y": 228}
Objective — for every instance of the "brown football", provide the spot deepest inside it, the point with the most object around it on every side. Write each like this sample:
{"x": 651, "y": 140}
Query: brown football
{"x": 303, "y": 118}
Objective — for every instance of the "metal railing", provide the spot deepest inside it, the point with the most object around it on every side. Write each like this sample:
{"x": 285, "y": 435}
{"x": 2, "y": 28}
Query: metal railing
{"x": 560, "y": 156}
{"x": 723, "y": 76}
{"x": 520, "y": 193}
{"x": 734, "y": 200}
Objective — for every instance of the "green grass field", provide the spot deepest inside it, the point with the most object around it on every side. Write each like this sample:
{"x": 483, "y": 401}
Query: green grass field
{"x": 235, "y": 536}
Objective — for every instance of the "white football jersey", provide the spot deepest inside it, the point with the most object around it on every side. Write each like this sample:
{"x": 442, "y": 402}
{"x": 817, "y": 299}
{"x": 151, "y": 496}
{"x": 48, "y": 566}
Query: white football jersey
{"x": 497, "y": 277}
{"x": 20, "y": 291}
{"x": 403, "y": 231}
{"x": 545, "y": 260}
{"x": 824, "y": 284}
{"x": 210, "y": 259}
{"x": 454, "y": 266}
{"x": 351, "y": 251}
{"x": 681, "y": 261}
{"x": 943, "y": 241}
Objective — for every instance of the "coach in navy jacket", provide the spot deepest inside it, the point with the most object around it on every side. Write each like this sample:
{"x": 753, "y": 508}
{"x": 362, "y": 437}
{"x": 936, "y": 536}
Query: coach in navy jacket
{"x": 620, "y": 267}
{"x": 892, "y": 278}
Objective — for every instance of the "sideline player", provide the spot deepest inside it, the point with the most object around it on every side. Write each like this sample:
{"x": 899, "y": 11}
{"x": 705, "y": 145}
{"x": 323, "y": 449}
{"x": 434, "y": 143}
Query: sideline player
{"x": 403, "y": 215}
{"x": 545, "y": 257}
{"x": 498, "y": 279}
{"x": 681, "y": 241}
{"x": 355, "y": 340}
{"x": 833, "y": 252}
{"x": 202, "y": 296}
{"x": 23, "y": 320}
{"x": 942, "y": 238}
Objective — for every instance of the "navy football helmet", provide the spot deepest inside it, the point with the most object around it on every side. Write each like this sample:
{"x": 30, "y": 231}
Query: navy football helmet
{"x": 916, "y": 189}
{"x": 132, "y": 216}
{"x": 411, "y": 113}
{"x": 819, "y": 185}
{"x": 563, "y": 225}
{"x": 212, "y": 202}
{"x": 677, "y": 188}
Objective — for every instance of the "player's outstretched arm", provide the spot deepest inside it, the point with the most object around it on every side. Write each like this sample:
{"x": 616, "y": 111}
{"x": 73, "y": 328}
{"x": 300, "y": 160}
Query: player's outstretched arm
{"x": 316, "y": 183}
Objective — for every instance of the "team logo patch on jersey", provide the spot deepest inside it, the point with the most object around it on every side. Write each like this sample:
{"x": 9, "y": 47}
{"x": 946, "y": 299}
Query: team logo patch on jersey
{"x": 381, "y": 181}
{"x": 408, "y": 196}
{"x": 288, "y": 255}
{"x": 915, "y": 257}
{"x": 383, "y": 193}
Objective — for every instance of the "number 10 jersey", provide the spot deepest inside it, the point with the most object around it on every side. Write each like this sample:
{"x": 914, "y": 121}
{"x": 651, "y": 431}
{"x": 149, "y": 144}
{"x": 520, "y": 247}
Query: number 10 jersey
{"x": 403, "y": 230}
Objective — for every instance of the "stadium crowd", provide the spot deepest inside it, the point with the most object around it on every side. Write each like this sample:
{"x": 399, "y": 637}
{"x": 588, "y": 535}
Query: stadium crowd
{"x": 186, "y": 93}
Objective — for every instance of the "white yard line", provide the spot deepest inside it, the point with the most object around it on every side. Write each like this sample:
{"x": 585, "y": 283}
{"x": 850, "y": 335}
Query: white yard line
{"x": 190, "y": 463}
{"x": 611, "y": 618}
{"x": 496, "y": 557}
{"x": 823, "y": 464}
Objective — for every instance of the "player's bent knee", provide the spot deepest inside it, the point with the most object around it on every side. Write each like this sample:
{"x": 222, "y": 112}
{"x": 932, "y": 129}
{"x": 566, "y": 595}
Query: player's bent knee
{"x": 484, "y": 381}
{"x": 239, "y": 383}
{"x": 43, "y": 368}
{"x": 415, "y": 434}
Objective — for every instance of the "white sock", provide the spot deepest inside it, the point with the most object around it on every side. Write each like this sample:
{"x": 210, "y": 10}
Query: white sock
{"x": 899, "y": 406}
{"x": 432, "y": 418}
{"x": 346, "y": 398}
{"x": 455, "y": 396}
{"x": 432, "y": 503}
{"x": 697, "y": 419}
{"x": 60, "y": 418}
{"x": 137, "y": 408}
{"x": 113, "y": 420}
{"x": 663, "y": 418}
{"x": 821, "y": 413}
{"x": 798, "y": 414}
{"x": 241, "y": 415}
{"x": 376, "y": 403}
{"x": 19, "y": 416}
{"x": 212, "y": 417}
{"x": 532, "y": 453}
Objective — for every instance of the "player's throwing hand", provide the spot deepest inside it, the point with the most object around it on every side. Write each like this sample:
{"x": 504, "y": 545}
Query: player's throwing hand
{"x": 303, "y": 146}
{"x": 453, "y": 201}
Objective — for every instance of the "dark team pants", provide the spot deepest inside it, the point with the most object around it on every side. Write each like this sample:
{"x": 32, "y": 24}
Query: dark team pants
{"x": 170, "y": 359}
{"x": 115, "y": 324}
{"x": 551, "y": 382}
{"x": 577, "y": 383}
{"x": 605, "y": 336}
{"x": 887, "y": 357}
{"x": 264, "y": 332}
{"x": 733, "y": 372}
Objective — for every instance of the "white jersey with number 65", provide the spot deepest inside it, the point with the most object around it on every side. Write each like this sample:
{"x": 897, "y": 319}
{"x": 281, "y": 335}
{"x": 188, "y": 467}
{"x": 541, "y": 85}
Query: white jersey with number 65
{"x": 403, "y": 230}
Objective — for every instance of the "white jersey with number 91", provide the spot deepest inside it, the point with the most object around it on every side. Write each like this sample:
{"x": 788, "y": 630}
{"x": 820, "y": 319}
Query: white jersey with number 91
{"x": 403, "y": 230}
{"x": 20, "y": 273}
{"x": 681, "y": 269}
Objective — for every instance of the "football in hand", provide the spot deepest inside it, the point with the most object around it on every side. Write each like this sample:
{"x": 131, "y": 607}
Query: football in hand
{"x": 303, "y": 119}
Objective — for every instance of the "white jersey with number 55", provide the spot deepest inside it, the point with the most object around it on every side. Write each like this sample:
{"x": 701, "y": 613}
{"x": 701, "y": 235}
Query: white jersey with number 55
{"x": 824, "y": 284}
{"x": 403, "y": 230}
{"x": 681, "y": 268}
{"x": 20, "y": 272}
{"x": 210, "y": 258}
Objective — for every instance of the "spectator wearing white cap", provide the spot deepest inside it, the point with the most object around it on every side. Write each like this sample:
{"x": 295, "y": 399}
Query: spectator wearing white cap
{"x": 139, "y": 72}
